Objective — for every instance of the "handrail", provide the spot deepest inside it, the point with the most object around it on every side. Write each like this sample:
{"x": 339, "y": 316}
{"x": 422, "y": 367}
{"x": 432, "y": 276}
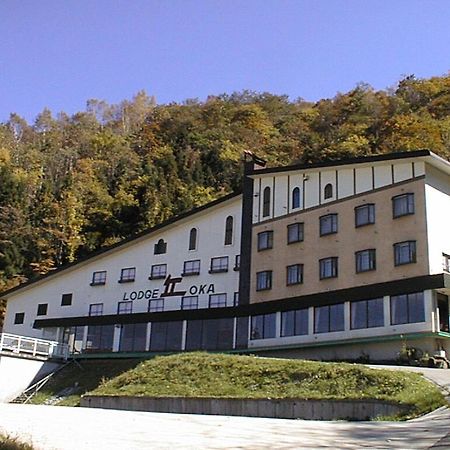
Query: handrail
{"x": 23, "y": 345}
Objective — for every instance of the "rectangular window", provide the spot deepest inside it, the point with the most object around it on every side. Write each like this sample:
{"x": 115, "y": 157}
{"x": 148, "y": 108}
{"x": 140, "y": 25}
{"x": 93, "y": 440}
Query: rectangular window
{"x": 237, "y": 262}
{"x": 127, "y": 275}
{"x": 367, "y": 314}
{"x": 19, "y": 318}
{"x": 217, "y": 300}
{"x": 404, "y": 253}
{"x": 364, "y": 215}
{"x": 365, "y": 260}
{"x": 125, "y": 307}
{"x": 446, "y": 262}
{"x": 66, "y": 300}
{"x": 294, "y": 274}
{"x": 98, "y": 278}
{"x": 328, "y": 268}
{"x": 264, "y": 280}
{"x": 294, "y": 323}
{"x": 263, "y": 326}
{"x": 407, "y": 308}
{"x": 265, "y": 240}
{"x": 236, "y": 299}
{"x": 328, "y": 224}
{"x": 295, "y": 232}
{"x": 42, "y": 309}
{"x": 189, "y": 302}
{"x": 158, "y": 271}
{"x": 329, "y": 318}
{"x": 156, "y": 305}
{"x": 219, "y": 264}
{"x": 96, "y": 309}
{"x": 166, "y": 336}
{"x": 402, "y": 205}
{"x": 191, "y": 267}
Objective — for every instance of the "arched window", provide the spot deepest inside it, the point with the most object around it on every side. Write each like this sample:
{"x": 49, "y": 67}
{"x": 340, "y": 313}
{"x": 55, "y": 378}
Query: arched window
{"x": 266, "y": 202}
{"x": 296, "y": 198}
{"x": 328, "y": 191}
{"x": 229, "y": 230}
{"x": 160, "y": 247}
{"x": 193, "y": 239}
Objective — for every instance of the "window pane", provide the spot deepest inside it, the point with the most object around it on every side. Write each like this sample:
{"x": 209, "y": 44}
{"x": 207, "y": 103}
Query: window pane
{"x": 375, "y": 313}
{"x": 321, "y": 319}
{"x": 269, "y": 325}
{"x": 337, "y": 317}
{"x": 301, "y": 321}
{"x": 194, "y": 335}
{"x": 242, "y": 332}
{"x": 416, "y": 307}
{"x": 399, "y": 309}
{"x": 288, "y": 323}
{"x": 257, "y": 327}
{"x": 358, "y": 315}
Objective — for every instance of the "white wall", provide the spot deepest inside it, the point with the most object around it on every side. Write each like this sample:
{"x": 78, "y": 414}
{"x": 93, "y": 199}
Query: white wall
{"x": 16, "y": 374}
{"x": 437, "y": 198}
{"x": 140, "y": 254}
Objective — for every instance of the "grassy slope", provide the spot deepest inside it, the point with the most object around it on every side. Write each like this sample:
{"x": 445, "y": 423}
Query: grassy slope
{"x": 82, "y": 377}
{"x": 8, "y": 443}
{"x": 216, "y": 375}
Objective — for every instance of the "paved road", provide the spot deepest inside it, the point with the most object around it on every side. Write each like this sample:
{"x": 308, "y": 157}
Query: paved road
{"x": 49, "y": 427}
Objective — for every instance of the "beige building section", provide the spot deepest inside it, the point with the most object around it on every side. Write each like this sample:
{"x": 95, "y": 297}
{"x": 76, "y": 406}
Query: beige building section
{"x": 380, "y": 236}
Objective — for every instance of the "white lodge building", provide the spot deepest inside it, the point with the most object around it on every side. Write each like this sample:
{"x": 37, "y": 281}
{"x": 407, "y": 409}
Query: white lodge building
{"x": 341, "y": 260}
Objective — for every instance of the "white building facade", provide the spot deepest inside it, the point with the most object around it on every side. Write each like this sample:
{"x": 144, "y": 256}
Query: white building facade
{"x": 343, "y": 260}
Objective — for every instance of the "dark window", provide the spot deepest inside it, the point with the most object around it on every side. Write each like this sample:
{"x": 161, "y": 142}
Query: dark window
{"x": 210, "y": 334}
{"x": 367, "y": 313}
{"x": 402, "y": 205}
{"x": 236, "y": 299}
{"x": 364, "y": 215}
{"x": 42, "y": 309}
{"x": 156, "y": 305}
{"x": 229, "y": 230}
{"x": 158, "y": 271}
{"x": 329, "y": 318}
{"x": 296, "y": 198}
{"x": 295, "y": 232}
{"x": 237, "y": 262}
{"x": 407, "y": 308}
{"x": 125, "y": 307}
{"x": 66, "y": 300}
{"x": 266, "y": 202}
{"x": 160, "y": 247}
{"x": 265, "y": 240}
{"x": 166, "y": 336}
{"x": 189, "y": 302}
{"x": 242, "y": 324}
{"x": 328, "y": 191}
{"x": 217, "y": 300}
{"x": 404, "y": 253}
{"x": 127, "y": 275}
{"x": 294, "y": 323}
{"x": 19, "y": 318}
{"x": 294, "y": 274}
{"x": 98, "y": 278}
{"x": 263, "y": 326}
{"x": 365, "y": 260}
{"x": 193, "y": 239}
{"x": 96, "y": 309}
{"x": 328, "y": 268}
{"x": 100, "y": 338}
{"x": 219, "y": 264}
{"x": 328, "y": 224}
{"x": 133, "y": 337}
{"x": 264, "y": 280}
{"x": 191, "y": 267}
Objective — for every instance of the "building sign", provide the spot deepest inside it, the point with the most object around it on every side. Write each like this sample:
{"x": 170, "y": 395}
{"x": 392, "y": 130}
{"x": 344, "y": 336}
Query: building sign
{"x": 170, "y": 290}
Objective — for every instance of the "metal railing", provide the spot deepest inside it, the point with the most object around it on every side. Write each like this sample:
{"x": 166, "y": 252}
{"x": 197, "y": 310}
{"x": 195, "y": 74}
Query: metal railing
{"x": 38, "y": 348}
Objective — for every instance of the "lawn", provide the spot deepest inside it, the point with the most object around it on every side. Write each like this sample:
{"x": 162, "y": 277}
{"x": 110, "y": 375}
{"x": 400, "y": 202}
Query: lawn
{"x": 235, "y": 376}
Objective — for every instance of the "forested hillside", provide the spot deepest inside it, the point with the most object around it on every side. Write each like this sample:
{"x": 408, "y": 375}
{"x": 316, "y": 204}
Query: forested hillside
{"x": 73, "y": 184}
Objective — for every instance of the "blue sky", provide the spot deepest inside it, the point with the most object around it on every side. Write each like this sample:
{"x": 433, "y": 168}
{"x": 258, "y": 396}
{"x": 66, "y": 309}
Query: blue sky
{"x": 58, "y": 54}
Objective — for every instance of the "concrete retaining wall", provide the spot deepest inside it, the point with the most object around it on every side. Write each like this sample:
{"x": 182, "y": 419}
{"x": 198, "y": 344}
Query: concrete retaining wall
{"x": 17, "y": 373}
{"x": 279, "y": 408}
